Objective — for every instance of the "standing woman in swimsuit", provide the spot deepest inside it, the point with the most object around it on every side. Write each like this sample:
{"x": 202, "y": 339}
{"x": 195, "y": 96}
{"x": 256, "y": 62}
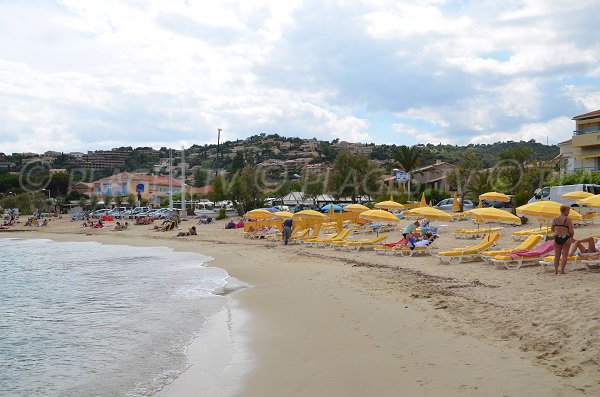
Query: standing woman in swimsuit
{"x": 562, "y": 227}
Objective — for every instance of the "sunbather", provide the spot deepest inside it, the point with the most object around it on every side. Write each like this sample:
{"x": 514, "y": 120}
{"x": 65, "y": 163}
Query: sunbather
{"x": 191, "y": 232}
{"x": 578, "y": 246}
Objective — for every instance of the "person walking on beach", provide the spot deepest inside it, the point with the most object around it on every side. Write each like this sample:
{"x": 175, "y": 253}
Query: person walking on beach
{"x": 287, "y": 230}
{"x": 562, "y": 227}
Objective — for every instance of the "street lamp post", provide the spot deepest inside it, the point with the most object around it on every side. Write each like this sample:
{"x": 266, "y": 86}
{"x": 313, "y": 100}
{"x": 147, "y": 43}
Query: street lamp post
{"x": 47, "y": 190}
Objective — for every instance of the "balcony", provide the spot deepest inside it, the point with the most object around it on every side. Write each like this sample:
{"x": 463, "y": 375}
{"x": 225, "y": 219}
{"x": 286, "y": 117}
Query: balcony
{"x": 586, "y": 131}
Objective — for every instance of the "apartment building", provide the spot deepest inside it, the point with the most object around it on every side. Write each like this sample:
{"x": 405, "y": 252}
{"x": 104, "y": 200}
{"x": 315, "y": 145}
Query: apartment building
{"x": 582, "y": 151}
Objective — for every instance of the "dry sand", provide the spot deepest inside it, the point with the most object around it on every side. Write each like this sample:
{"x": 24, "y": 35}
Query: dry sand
{"x": 319, "y": 322}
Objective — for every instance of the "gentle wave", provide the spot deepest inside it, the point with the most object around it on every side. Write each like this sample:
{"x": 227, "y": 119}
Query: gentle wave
{"x": 99, "y": 320}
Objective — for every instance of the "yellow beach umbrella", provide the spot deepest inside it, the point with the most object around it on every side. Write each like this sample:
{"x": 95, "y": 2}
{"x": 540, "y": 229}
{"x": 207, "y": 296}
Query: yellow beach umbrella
{"x": 494, "y": 196}
{"x": 259, "y": 214}
{"x": 455, "y": 203}
{"x": 480, "y": 205}
{"x": 431, "y": 203}
{"x": 423, "y": 200}
{"x": 492, "y": 214}
{"x": 356, "y": 208}
{"x": 427, "y": 213}
{"x": 283, "y": 214}
{"x": 592, "y": 201}
{"x": 545, "y": 210}
{"x": 577, "y": 195}
{"x": 389, "y": 205}
{"x": 309, "y": 214}
{"x": 379, "y": 215}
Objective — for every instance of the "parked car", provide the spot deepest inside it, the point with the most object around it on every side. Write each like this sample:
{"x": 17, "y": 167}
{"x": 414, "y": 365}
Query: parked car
{"x": 119, "y": 212}
{"x": 138, "y": 211}
{"x": 446, "y": 204}
{"x": 101, "y": 212}
{"x": 496, "y": 204}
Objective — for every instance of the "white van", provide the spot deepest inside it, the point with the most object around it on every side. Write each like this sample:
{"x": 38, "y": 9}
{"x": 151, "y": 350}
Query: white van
{"x": 554, "y": 193}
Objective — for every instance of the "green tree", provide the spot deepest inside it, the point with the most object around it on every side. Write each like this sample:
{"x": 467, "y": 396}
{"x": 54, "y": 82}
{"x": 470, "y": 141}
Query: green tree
{"x": 481, "y": 184}
{"x": 464, "y": 174}
{"x": 218, "y": 189}
{"x": 353, "y": 176}
{"x": 409, "y": 159}
{"x": 237, "y": 163}
{"x": 131, "y": 200}
{"x": 521, "y": 154}
{"x": 107, "y": 200}
{"x": 200, "y": 178}
{"x": 94, "y": 201}
{"x": 314, "y": 186}
{"x": 118, "y": 200}
{"x": 246, "y": 189}
{"x": 82, "y": 202}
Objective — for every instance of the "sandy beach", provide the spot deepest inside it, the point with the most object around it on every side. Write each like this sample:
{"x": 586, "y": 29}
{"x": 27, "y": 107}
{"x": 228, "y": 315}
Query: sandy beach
{"x": 319, "y": 322}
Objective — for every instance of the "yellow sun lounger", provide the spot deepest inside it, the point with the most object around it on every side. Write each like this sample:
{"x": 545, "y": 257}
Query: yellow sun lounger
{"x": 341, "y": 237}
{"x": 547, "y": 263}
{"x": 314, "y": 233}
{"x": 324, "y": 241}
{"x": 528, "y": 244}
{"x": 516, "y": 260}
{"x": 586, "y": 219}
{"x": 591, "y": 264}
{"x": 457, "y": 255}
{"x": 523, "y": 234}
{"x": 356, "y": 245}
{"x": 406, "y": 251}
{"x": 476, "y": 233}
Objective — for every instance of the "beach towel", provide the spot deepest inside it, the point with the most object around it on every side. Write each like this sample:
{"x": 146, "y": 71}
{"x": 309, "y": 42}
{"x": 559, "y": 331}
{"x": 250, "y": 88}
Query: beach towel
{"x": 540, "y": 250}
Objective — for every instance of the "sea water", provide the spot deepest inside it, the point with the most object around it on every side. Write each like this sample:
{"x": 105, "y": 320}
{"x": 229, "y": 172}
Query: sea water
{"x": 85, "y": 319}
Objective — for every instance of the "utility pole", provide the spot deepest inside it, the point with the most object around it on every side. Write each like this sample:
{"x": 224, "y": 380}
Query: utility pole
{"x": 218, "y": 146}
{"x": 170, "y": 179}
{"x": 183, "y": 212}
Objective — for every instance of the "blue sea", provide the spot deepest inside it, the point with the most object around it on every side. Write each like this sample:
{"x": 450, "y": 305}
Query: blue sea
{"x": 85, "y": 319}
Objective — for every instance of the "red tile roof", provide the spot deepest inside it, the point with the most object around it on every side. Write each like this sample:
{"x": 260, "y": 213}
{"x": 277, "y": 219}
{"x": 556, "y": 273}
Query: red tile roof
{"x": 568, "y": 141}
{"x": 589, "y": 115}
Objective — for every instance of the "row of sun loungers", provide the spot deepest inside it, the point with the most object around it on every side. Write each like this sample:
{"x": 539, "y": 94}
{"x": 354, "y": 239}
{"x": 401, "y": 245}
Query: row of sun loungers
{"x": 528, "y": 252}
{"x": 475, "y": 233}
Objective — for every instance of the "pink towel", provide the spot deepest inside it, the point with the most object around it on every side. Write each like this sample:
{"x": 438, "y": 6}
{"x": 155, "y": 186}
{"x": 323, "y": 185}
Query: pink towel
{"x": 399, "y": 242}
{"x": 540, "y": 250}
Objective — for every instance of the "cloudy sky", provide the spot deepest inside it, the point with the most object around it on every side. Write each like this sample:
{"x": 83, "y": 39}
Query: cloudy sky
{"x": 79, "y": 75}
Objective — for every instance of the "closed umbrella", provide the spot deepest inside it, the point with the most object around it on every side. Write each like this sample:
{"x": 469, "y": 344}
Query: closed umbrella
{"x": 423, "y": 200}
{"x": 455, "y": 203}
{"x": 356, "y": 208}
{"x": 494, "y": 196}
{"x": 427, "y": 213}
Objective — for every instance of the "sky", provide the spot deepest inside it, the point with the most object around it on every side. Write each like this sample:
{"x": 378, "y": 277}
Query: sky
{"x": 80, "y": 75}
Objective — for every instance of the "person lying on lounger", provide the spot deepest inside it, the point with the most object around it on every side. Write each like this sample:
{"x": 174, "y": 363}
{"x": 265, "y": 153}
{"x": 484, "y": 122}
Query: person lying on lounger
{"x": 579, "y": 247}
{"x": 424, "y": 241}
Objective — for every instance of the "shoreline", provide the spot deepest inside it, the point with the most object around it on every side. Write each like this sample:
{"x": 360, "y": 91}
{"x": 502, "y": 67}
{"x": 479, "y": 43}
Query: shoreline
{"x": 329, "y": 323}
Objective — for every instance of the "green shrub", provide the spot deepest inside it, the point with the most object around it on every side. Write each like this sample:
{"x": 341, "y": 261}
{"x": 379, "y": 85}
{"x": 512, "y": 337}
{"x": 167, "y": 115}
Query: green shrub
{"x": 222, "y": 214}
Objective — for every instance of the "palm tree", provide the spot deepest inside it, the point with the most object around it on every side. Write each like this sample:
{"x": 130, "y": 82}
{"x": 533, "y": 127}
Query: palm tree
{"x": 481, "y": 184}
{"x": 409, "y": 159}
